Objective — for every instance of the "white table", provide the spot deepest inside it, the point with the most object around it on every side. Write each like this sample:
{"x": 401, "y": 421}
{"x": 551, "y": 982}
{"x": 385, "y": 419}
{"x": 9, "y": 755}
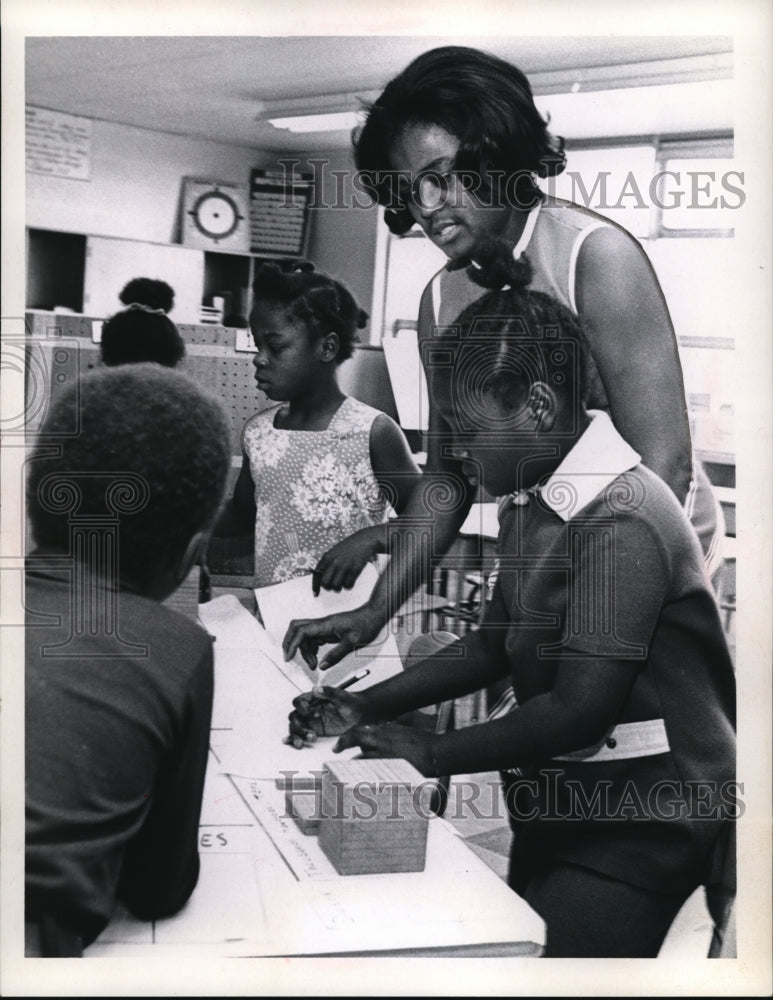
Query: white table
{"x": 265, "y": 889}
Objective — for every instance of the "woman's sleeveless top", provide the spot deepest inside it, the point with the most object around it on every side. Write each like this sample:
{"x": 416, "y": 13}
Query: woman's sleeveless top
{"x": 554, "y": 234}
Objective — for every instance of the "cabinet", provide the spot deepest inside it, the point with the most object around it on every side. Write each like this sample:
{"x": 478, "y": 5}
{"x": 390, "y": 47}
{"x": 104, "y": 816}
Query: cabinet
{"x": 56, "y": 265}
{"x": 110, "y": 263}
{"x": 86, "y": 273}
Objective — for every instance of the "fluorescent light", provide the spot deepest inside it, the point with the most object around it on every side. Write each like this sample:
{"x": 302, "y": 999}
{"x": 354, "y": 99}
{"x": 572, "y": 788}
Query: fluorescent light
{"x": 331, "y": 122}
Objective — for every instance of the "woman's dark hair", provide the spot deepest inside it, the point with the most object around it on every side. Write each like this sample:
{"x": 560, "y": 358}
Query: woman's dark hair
{"x": 149, "y": 292}
{"x": 324, "y": 304}
{"x": 141, "y": 334}
{"x": 514, "y": 336}
{"x": 483, "y": 101}
{"x": 152, "y": 455}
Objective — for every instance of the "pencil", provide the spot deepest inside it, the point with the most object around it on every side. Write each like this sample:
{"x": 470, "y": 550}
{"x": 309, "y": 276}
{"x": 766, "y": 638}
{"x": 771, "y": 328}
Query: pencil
{"x": 352, "y": 680}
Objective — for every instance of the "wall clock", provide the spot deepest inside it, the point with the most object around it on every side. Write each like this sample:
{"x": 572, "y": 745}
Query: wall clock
{"x": 215, "y": 215}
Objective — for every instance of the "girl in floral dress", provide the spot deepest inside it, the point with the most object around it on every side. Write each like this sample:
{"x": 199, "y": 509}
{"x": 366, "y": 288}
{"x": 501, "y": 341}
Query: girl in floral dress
{"x": 320, "y": 469}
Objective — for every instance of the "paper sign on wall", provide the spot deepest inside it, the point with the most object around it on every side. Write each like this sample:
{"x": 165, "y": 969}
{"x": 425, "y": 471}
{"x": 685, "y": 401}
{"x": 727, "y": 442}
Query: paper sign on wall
{"x": 58, "y": 144}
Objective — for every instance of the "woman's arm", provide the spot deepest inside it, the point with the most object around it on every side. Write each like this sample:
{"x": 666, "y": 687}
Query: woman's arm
{"x": 625, "y": 317}
{"x": 582, "y": 707}
{"x": 425, "y": 530}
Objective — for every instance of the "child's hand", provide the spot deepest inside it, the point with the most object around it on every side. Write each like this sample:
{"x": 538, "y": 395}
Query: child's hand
{"x": 324, "y": 711}
{"x": 340, "y": 566}
{"x": 349, "y": 630}
{"x": 390, "y": 740}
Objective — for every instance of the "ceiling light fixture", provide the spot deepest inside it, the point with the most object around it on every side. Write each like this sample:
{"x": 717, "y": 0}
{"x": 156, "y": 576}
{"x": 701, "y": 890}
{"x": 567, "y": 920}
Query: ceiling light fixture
{"x": 315, "y": 113}
{"x": 334, "y": 121}
{"x": 342, "y": 112}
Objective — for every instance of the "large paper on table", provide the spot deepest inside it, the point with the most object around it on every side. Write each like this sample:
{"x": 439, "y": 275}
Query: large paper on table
{"x": 253, "y": 698}
{"x": 283, "y": 602}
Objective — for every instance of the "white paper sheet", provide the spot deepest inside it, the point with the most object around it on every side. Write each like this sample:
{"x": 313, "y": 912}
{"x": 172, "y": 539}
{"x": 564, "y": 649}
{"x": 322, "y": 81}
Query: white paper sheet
{"x": 281, "y": 603}
{"x": 230, "y": 622}
{"x": 306, "y": 858}
{"x": 254, "y": 692}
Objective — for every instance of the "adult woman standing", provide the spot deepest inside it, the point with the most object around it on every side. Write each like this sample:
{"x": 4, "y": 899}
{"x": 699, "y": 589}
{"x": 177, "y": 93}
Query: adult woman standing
{"x": 454, "y": 144}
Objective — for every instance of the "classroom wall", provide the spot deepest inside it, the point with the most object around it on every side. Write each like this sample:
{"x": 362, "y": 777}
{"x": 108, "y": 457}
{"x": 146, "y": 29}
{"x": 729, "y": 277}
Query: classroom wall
{"x": 135, "y": 192}
{"x": 136, "y": 183}
{"x": 343, "y": 227}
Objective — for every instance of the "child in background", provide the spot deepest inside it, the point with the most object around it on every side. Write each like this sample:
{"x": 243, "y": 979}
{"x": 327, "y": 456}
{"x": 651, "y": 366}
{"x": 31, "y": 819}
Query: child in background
{"x": 619, "y": 758}
{"x": 118, "y": 687}
{"x": 151, "y": 292}
{"x": 141, "y": 333}
{"x": 320, "y": 468}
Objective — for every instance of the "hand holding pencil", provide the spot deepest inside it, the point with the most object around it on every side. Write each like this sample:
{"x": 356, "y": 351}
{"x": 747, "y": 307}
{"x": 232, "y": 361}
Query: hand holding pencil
{"x": 326, "y": 711}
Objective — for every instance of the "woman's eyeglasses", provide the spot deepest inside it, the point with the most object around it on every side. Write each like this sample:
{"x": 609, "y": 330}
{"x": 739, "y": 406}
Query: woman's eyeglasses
{"x": 430, "y": 189}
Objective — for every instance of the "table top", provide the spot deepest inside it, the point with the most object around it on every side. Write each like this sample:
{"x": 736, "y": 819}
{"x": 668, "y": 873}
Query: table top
{"x": 266, "y": 889}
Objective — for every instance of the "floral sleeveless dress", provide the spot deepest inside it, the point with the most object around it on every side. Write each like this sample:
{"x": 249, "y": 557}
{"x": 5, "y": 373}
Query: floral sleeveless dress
{"x": 312, "y": 489}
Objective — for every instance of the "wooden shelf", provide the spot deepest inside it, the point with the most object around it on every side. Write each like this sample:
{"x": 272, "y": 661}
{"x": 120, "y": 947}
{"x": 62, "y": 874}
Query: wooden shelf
{"x": 85, "y": 273}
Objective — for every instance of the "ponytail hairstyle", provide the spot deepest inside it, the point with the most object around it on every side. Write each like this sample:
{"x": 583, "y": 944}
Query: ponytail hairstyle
{"x": 323, "y": 303}
{"x": 514, "y": 336}
{"x": 150, "y": 292}
{"x": 140, "y": 333}
{"x": 484, "y": 102}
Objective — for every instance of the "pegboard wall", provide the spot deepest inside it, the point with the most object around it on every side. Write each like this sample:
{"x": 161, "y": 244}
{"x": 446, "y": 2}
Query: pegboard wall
{"x": 222, "y": 336}
{"x": 59, "y": 349}
{"x": 231, "y": 378}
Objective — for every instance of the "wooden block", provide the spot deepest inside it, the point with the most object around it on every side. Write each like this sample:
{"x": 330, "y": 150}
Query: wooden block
{"x": 385, "y": 787}
{"x": 386, "y": 770}
{"x": 371, "y": 821}
{"x": 303, "y": 800}
{"x": 370, "y": 850}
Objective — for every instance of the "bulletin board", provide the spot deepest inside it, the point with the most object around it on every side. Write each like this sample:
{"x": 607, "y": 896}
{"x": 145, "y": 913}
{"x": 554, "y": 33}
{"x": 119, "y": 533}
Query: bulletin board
{"x": 279, "y": 213}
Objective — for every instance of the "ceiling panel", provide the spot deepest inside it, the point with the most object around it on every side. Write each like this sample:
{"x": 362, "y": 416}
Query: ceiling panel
{"x": 212, "y": 86}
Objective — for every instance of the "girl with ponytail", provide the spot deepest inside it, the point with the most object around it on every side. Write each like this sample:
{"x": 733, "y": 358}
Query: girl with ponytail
{"x": 601, "y": 626}
{"x": 320, "y": 469}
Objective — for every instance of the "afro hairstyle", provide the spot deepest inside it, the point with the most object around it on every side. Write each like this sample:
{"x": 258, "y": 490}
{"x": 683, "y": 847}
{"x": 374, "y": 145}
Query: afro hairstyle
{"x": 140, "y": 334}
{"x": 151, "y": 292}
{"x": 151, "y": 449}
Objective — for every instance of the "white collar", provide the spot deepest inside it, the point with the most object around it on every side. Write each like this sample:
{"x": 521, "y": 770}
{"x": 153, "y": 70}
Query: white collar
{"x": 597, "y": 459}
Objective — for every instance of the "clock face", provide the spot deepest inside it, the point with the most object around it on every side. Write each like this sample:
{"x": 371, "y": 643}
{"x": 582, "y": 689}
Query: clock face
{"x": 215, "y": 215}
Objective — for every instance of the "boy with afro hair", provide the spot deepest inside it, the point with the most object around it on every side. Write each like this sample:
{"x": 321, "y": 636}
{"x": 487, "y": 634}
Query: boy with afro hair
{"x": 118, "y": 686}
